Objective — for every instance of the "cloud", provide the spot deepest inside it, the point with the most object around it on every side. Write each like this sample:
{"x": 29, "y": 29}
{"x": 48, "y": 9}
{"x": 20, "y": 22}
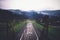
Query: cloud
{"x": 30, "y": 4}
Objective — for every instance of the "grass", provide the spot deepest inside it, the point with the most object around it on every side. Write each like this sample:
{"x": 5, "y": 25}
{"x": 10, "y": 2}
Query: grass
{"x": 37, "y": 25}
{"x": 17, "y": 26}
{"x": 53, "y": 32}
{"x": 11, "y": 30}
{"x": 51, "y": 28}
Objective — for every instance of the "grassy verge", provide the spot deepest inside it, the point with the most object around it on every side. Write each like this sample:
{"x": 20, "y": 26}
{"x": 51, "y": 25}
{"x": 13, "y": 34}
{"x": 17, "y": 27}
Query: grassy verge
{"x": 10, "y": 30}
{"x": 53, "y": 32}
{"x": 51, "y": 28}
{"x": 17, "y": 26}
{"x": 37, "y": 25}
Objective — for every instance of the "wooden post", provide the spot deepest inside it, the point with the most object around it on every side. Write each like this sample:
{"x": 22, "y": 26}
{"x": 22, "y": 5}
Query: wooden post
{"x": 44, "y": 33}
{"x": 46, "y": 23}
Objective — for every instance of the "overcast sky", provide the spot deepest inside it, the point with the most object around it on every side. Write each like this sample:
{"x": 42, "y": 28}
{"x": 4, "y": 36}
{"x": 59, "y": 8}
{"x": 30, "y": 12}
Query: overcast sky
{"x": 30, "y": 4}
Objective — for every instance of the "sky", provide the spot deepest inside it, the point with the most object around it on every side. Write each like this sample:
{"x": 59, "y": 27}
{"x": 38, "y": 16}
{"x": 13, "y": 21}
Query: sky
{"x": 26, "y": 5}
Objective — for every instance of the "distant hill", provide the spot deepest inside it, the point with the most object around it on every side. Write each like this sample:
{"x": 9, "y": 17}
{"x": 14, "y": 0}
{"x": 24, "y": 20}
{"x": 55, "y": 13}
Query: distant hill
{"x": 16, "y": 11}
{"x": 52, "y": 12}
{"x": 7, "y": 15}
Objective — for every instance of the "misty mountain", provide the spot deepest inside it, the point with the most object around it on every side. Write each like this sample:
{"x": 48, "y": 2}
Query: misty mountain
{"x": 51, "y": 12}
{"x": 16, "y": 11}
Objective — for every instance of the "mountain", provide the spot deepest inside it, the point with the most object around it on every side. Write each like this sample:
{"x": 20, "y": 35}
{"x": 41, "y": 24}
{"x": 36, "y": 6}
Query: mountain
{"x": 51, "y": 12}
{"x": 16, "y": 11}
